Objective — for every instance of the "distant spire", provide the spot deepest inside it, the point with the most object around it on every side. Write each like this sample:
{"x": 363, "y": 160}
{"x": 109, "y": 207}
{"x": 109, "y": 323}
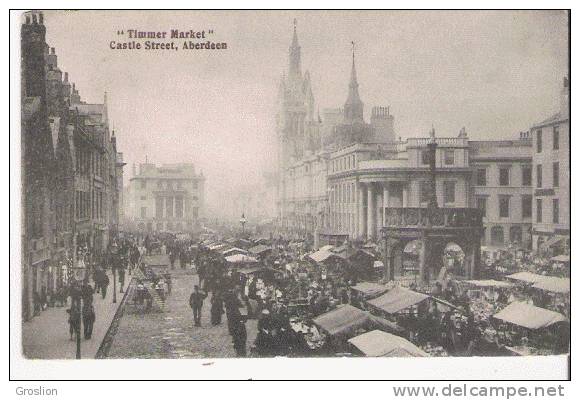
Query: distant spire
{"x": 353, "y": 108}
{"x": 294, "y": 69}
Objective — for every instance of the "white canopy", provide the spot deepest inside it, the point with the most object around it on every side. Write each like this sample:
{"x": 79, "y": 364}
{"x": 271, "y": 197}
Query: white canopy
{"x": 563, "y": 258}
{"x": 234, "y": 250}
{"x": 525, "y": 276}
{"x": 240, "y": 258}
{"x": 397, "y": 299}
{"x": 529, "y": 316}
{"x": 490, "y": 283}
{"x": 342, "y": 320}
{"x": 382, "y": 344}
{"x": 554, "y": 284}
{"x": 370, "y": 288}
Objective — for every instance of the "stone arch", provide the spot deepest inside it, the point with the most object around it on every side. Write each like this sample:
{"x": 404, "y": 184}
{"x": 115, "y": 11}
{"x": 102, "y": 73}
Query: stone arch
{"x": 516, "y": 234}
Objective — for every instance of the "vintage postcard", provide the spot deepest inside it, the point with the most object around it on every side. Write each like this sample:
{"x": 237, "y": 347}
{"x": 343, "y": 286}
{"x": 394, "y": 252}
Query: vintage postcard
{"x": 294, "y": 185}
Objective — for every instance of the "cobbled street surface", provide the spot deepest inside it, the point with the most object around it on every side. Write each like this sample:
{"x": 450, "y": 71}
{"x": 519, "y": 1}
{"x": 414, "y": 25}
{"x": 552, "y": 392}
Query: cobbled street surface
{"x": 171, "y": 334}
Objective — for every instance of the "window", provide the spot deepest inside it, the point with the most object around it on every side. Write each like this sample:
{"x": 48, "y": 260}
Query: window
{"x": 449, "y": 157}
{"x": 539, "y": 141}
{"x": 481, "y": 203}
{"x": 556, "y": 138}
{"x": 504, "y": 206}
{"x": 504, "y": 176}
{"x": 481, "y": 177}
{"x": 449, "y": 192}
{"x": 539, "y": 175}
{"x": 159, "y": 207}
{"x": 143, "y": 197}
{"x": 425, "y": 157}
{"x": 556, "y": 174}
{"x": 159, "y": 184}
{"x": 143, "y": 212}
{"x": 526, "y": 206}
{"x": 555, "y": 211}
{"x": 424, "y": 192}
{"x": 539, "y": 210}
{"x": 526, "y": 176}
{"x": 143, "y": 184}
{"x": 497, "y": 235}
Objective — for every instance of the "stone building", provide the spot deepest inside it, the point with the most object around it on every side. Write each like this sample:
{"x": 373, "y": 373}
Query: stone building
{"x": 170, "y": 198}
{"x": 551, "y": 177}
{"x": 68, "y": 190}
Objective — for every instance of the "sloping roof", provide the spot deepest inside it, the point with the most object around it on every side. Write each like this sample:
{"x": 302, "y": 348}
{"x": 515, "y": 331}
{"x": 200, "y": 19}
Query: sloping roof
{"x": 529, "y": 316}
{"x": 321, "y": 255}
{"x": 397, "y": 299}
{"x": 370, "y": 288}
{"x": 233, "y": 250}
{"x": 341, "y": 320}
{"x": 382, "y": 344}
{"x": 554, "y": 284}
{"x": 526, "y": 277}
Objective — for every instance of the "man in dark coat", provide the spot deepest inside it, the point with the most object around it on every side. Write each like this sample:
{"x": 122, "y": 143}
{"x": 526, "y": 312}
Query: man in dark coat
{"x": 196, "y": 304}
{"x": 88, "y": 320}
{"x": 217, "y": 308}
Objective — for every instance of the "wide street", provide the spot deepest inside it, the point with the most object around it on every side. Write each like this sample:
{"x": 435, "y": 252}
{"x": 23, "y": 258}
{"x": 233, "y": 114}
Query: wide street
{"x": 171, "y": 334}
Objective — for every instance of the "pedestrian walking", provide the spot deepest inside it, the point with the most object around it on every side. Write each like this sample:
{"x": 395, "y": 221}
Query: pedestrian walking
{"x": 196, "y": 304}
{"x": 74, "y": 320}
{"x": 104, "y": 282}
{"x": 217, "y": 308}
{"x": 88, "y": 320}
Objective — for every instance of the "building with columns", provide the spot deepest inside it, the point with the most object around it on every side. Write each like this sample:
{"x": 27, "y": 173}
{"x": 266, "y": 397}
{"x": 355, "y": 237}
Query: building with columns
{"x": 170, "y": 198}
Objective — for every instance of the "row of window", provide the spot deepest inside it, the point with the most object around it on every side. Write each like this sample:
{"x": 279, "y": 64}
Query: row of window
{"x": 89, "y": 204}
{"x": 448, "y": 192}
{"x": 526, "y": 204}
{"x": 168, "y": 184}
{"x": 342, "y": 193}
{"x": 504, "y": 177}
{"x": 555, "y": 139}
{"x": 555, "y": 175}
{"x": 448, "y": 157}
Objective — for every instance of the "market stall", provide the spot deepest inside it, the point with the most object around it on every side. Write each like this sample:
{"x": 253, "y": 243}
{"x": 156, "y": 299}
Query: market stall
{"x": 342, "y": 321}
{"x": 382, "y": 344}
{"x": 368, "y": 290}
{"x": 397, "y": 299}
{"x": 526, "y": 277}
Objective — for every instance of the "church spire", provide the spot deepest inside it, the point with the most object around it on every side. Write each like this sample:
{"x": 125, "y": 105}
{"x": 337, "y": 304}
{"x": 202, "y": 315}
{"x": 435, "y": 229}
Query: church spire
{"x": 353, "y": 108}
{"x": 294, "y": 69}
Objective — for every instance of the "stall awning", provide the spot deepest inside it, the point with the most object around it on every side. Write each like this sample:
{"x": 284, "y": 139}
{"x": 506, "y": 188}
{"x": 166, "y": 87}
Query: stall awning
{"x": 240, "y": 258}
{"x": 562, "y": 258}
{"x": 259, "y": 249}
{"x": 382, "y": 344}
{"x": 529, "y": 316}
{"x": 490, "y": 283}
{"x": 341, "y": 320}
{"x": 370, "y": 288}
{"x": 217, "y": 246}
{"x": 158, "y": 260}
{"x": 554, "y": 284}
{"x": 234, "y": 250}
{"x": 525, "y": 276}
{"x": 250, "y": 270}
{"x": 397, "y": 299}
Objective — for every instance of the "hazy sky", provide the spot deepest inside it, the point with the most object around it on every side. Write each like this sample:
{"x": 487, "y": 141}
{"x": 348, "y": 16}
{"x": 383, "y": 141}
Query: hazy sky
{"x": 495, "y": 73}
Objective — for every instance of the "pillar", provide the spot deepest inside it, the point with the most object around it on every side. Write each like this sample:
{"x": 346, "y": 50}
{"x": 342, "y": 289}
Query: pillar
{"x": 405, "y": 196}
{"x": 385, "y": 199}
{"x": 371, "y": 211}
{"x": 173, "y": 201}
{"x": 362, "y": 218}
{"x": 423, "y": 257}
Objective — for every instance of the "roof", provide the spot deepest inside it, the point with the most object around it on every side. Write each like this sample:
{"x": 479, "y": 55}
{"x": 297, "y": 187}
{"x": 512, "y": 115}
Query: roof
{"x": 233, "y": 250}
{"x": 370, "y": 288}
{"x": 554, "y": 119}
{"x": 342, "y": 320}
{"x": 240, "y": 258}
{"x": 397, "y": 299}
{"x": 490, "y": 283}
{"x": 529, "y": 316}
{"x": 321, "y": 255}
{"x": 525, "y": 276}
{"x": 554, "y": 284}
{"x": 382, "y": 344}
{"x": 250, "y": 270}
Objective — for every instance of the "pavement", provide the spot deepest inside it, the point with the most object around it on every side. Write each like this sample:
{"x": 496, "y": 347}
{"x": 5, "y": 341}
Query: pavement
{"x": 46, "y": 336}
{"x": 172, "y": 334}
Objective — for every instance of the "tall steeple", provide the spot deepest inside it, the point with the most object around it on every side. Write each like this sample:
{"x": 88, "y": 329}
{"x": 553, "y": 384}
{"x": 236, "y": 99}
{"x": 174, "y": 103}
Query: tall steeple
{"x": 353, "y": 108}
{"x": 294, "y": 69}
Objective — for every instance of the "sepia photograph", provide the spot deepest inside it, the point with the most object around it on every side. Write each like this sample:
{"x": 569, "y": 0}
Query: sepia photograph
{"x": 293, "y": 184}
